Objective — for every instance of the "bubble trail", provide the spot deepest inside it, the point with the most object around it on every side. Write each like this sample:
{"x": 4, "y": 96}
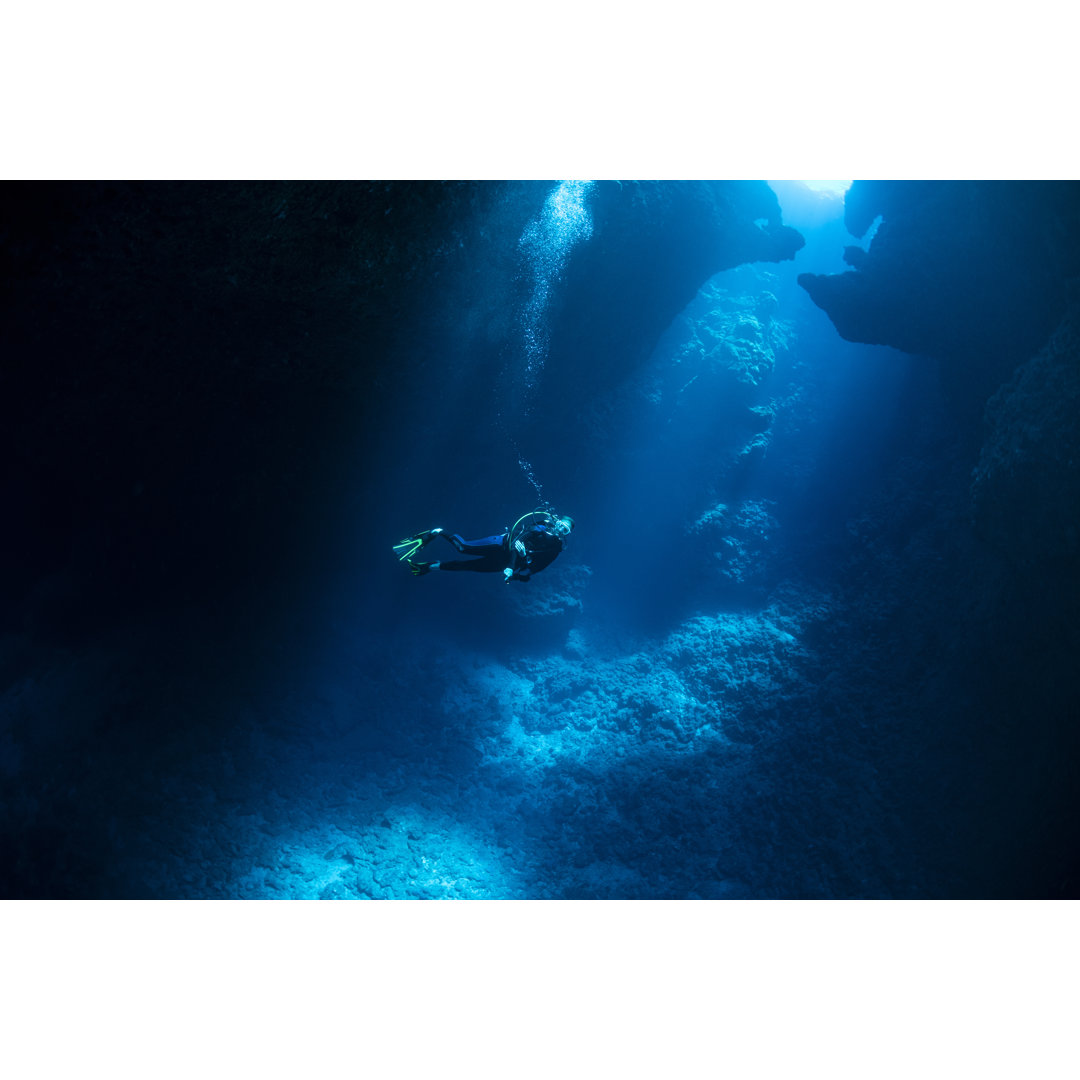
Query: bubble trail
{"x": 546, "y": 244}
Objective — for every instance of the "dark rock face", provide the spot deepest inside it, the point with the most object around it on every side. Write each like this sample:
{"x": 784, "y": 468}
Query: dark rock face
{"x": 653, "y": 245}
{"x": 1026, "y": 486}
{"x": 980, "y": 276}
{"x": 968, "y": 272}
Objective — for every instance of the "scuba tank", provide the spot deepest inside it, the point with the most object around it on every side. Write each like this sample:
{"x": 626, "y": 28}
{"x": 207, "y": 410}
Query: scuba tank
{"x": 527, "y": 522}
{"x": 522, "y": 530}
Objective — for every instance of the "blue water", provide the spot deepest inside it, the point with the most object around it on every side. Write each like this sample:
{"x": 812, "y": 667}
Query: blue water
{"x": 774, "y": 660}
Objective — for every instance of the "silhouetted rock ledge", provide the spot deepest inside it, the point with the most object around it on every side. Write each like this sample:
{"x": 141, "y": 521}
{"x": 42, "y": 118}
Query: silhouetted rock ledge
{"x": 968, "y": 272}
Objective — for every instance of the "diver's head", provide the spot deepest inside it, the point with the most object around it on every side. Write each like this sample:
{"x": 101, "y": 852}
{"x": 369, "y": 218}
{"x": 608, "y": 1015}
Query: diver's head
{"x": 564, "y": 526}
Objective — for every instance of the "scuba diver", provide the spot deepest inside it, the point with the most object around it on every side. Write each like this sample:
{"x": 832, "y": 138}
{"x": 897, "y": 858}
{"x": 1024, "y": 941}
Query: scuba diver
{"x": 533, "y": 542}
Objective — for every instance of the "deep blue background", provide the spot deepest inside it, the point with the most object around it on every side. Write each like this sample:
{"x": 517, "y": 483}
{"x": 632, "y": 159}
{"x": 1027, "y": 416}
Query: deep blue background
{"x": 801, "y": 643}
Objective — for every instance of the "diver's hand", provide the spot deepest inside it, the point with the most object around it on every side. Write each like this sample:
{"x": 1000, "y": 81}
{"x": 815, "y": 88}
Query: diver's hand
{"x": 519, "y": 547}
{"x": 507, "y": 575}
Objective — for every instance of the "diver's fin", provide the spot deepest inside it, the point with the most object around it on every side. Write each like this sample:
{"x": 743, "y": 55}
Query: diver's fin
{"x": 408, "y": 547}
{"x": 419, "y": 569}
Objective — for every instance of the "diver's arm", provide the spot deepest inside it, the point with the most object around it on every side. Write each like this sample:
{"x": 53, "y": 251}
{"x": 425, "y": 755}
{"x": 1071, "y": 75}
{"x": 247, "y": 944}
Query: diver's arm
{"x": 519, "y": 568}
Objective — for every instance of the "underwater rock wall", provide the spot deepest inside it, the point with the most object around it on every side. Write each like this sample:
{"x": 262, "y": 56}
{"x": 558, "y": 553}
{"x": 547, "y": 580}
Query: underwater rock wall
{"x": 692, "y": 430}
{"x": 1026, "y": 485}
{"x": 969, "y": 272}
{"x": 971, "y": 548}
{"x": 982, "y": 276}
{"x": 653, "y": 245}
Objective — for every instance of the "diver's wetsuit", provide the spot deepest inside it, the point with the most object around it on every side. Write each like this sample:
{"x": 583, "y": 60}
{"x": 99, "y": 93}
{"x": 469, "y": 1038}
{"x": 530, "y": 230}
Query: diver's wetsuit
{"x": 493, "y": 552}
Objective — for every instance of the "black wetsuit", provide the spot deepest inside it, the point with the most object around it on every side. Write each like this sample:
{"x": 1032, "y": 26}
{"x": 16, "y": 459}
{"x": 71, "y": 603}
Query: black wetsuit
{"x": 493, "y": 552}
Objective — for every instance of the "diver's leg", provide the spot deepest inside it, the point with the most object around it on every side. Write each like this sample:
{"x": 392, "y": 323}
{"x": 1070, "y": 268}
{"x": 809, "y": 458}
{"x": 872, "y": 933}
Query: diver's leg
{"x": 489, "y": 552}
{"x": 485, "y": 565}
{"x": 455, "y": 540}
{"x": 489, "y": 546}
